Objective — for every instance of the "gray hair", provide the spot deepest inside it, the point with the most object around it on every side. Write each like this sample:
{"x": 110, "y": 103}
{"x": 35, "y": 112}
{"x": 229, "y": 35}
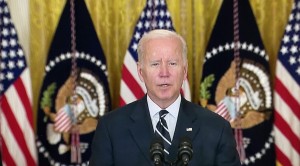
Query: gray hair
{"x": 160, "y": 33}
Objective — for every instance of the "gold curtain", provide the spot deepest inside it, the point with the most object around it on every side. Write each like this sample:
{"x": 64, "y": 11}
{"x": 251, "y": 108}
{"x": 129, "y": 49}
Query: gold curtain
{"x": 114, "y": 21}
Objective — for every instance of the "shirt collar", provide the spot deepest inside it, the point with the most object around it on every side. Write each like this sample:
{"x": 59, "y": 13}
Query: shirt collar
{"x": 173, "y": 109}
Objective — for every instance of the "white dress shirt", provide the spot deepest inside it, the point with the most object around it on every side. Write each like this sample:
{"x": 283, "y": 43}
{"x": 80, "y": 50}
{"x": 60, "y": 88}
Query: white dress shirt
{"x": 171, "y": 117}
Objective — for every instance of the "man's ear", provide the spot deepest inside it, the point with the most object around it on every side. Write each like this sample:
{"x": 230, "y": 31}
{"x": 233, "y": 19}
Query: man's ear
{"x": 185, "y": 71}
{"x": 140, "y": 72}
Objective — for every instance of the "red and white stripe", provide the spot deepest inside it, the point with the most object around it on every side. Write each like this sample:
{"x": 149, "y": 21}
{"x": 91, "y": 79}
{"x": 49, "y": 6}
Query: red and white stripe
{"x": 17, "y": 134}
{"x": 287, "y": 117}
{"x": 63, "y": 121}
{"x": 132, "y": 88}
{"x": 223, "y": 111}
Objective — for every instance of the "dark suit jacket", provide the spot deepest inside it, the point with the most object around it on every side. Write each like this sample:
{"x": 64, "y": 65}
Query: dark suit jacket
{"x": 123, "y": 137}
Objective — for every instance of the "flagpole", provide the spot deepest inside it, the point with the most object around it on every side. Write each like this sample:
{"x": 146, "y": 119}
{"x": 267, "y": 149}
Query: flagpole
{"x": 238, "y": 133}
{"x": 75, "y": 139}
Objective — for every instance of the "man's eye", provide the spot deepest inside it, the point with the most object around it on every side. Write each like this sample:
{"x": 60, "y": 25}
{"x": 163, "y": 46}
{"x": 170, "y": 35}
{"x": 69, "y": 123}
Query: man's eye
{"x": 173, "y": 63}
{"x": 154, "y": 64}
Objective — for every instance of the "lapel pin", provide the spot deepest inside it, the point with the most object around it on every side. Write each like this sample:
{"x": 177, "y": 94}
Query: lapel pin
{"x": 189, "y": 129}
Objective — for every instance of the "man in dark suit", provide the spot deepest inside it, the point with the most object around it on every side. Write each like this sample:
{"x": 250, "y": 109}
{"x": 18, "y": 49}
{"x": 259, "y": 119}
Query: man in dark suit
{"x": 123, "y": 136}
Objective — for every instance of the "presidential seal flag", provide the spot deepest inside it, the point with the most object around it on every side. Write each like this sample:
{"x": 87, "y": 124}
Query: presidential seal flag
{"x": 154, "y": 16}
{"x": 223, "y": 71}
{"x": 16, "y": 115}
{"x": 56, "y": 115}
{"x": 287, "y": 93}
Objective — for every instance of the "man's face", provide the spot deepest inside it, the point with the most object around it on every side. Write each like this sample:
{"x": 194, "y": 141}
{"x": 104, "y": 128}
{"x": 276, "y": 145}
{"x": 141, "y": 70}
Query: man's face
{"x": 163, "y": 70}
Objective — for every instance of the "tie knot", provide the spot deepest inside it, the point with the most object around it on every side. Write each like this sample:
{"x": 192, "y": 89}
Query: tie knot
{"x": 163, "y": 113}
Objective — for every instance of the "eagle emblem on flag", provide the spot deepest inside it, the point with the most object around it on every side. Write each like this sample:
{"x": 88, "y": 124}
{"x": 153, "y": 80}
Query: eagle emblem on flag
{"x": 91, "y": 102}
{"x": 75, "y": 91}
{"x": 236, "y": 82}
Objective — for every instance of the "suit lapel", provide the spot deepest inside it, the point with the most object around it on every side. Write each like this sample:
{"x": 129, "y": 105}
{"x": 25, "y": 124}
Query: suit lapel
{"x": 141, "y": 128}
{"x": 142, "y": 131}
{"x": 186, "y": 126}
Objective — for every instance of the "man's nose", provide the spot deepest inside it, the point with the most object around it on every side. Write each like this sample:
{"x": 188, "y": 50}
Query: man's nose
{"x": 164, "y": 70}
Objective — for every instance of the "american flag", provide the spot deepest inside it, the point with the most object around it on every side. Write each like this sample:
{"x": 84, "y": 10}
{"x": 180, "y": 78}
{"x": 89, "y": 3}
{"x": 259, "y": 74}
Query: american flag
{"x": 154, "y": 16}
{"x": 287, "y": 93}
{"x": 16, "y": 117}
{"x": 222, "y": 109}
{"x": 63, "y": 119}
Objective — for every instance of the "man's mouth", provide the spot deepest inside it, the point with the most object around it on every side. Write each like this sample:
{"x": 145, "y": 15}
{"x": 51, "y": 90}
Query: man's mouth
{"x": 164, "y": 85}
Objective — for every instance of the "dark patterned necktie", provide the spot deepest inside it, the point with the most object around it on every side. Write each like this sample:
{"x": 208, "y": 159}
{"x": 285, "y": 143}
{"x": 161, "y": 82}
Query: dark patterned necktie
{"x": 163, "y": 131}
